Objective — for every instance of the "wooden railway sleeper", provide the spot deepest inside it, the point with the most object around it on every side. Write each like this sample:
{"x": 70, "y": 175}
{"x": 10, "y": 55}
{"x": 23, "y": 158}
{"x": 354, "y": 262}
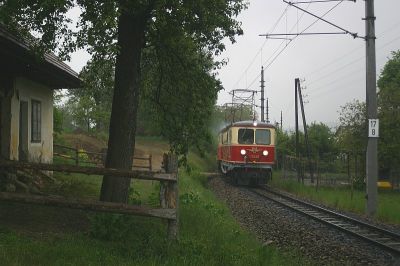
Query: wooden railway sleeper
{"x": 341, "y": 225}
{"x": 393, "y": 243}
{"x": 352, "y": 228}
{"x": 382, "y": 239}
{"x": 366, "y": 234}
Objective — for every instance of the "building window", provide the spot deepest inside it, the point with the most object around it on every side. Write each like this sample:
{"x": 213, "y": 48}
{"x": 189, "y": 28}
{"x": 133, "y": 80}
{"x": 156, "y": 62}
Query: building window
{"x": 36, "y": 119}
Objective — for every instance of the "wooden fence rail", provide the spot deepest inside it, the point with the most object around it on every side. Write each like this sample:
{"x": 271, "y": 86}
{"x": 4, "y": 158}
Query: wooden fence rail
{"x": 169, "y": 197}
{"x": 96, "y": 158}
{"x": 89, "y": 205}
{"x": 89, "y": 170}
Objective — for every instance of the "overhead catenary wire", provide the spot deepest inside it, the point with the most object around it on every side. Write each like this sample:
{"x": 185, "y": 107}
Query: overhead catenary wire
{"x": 287, "y": 43}
{"x": 355, "y": 35}
{"x": 283, "y": 49}
{"x": 347, "y": 64}
{"x": 333, "y": 86}
{"x": 341, "y": 67}
{"x": 276, "y": 51}
{"x": 344, "y": 66}
{"x": 262, "y": 46}
{"x": 320, "y": 68}
{"x": 319, "y": 1}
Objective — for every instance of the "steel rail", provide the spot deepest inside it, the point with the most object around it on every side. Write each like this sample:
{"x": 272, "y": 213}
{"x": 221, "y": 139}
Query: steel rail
{"x": 357, "y": 228}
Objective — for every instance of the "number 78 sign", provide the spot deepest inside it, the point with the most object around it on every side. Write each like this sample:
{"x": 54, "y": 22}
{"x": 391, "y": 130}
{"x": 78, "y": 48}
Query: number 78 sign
{"x": 373, "y": 128}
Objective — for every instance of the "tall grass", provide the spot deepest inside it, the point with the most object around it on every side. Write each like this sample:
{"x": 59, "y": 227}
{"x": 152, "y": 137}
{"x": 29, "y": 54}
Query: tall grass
{"x": 340, "y": 198}
{"x": 208, "y": 234}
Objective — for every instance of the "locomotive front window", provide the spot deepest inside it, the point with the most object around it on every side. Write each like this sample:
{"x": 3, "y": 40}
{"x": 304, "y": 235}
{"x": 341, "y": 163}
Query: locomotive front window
{"x": 246, "y": 136}
{"x": 263, "y": 136}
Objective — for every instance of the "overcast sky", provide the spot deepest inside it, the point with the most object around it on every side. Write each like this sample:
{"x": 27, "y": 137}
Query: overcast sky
{"x": 333, "y": 66}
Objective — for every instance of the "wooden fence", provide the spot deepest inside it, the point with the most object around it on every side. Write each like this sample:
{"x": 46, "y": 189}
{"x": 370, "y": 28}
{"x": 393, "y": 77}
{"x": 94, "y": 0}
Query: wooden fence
{"x": 80, "y": 156}
{"x": 323, "y": 171}
{"x": 169, "y": 198}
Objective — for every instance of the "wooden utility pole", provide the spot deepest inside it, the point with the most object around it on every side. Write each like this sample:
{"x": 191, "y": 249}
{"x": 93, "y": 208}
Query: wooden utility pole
{"x": 306, "y": 133}
{"x": 262, "y": 95}
{"x": 373, "y": 123}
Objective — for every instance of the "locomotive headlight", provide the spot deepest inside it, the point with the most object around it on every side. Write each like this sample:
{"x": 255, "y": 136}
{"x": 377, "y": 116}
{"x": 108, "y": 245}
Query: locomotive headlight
{"x": 265, "y": 153}
{"x": 243, "y": 152}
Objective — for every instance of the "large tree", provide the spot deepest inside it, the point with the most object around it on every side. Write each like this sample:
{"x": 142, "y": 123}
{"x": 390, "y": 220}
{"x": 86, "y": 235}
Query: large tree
{"x": 124, "y": 28}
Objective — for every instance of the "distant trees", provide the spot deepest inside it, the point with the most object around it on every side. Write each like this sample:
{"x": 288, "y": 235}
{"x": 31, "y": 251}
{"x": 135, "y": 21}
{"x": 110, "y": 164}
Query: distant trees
{"x": 90, "y": 106}
{"x": 322, "y": 141}
{"x": 352, "y": 133}
{"x": 389, "y": 116}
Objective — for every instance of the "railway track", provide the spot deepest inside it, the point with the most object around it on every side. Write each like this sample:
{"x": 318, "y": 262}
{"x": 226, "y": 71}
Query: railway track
{"x": 377, "y": 236}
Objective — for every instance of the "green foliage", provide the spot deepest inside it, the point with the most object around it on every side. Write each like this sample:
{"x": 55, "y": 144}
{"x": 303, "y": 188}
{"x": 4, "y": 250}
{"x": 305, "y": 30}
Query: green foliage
{"x": 90, "y": 106}
{"x": 390, "y": 74}
{"x": 208, "y": 234}
{"x": 351, "y": 134}
{"x": 232, "y": 113}
{"x": 182, "y": 80}
{"x": 57, "y": 120}
{"x": 389, "y": 115}
{"x": 110, "y": 226}
{"x": 143, "y": 37}
{"x": 82, "y": 155}
{"x": 46, "y": 18}
{"x": 180, "y": 90}
{"x": 134, "y": 196}
{"x": 322, "y": 140}
{"x": 285, "y": 144}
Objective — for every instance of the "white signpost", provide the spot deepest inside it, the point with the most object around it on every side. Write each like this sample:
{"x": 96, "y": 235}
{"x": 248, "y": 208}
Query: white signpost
{"x": 373, "y": 128}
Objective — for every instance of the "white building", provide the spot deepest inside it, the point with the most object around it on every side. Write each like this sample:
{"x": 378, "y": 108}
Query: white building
{"x": 26, "y": 99}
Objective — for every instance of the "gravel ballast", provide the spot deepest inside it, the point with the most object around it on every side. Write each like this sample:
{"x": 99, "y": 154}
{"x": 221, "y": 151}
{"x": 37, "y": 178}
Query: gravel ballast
{"x": 288, "y": 230}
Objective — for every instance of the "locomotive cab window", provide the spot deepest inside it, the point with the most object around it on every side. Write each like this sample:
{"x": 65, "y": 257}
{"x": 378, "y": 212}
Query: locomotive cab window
{"x": 224, "y": 137}
{"x": 263, "y": 136}
{"x": 246, "y": 136}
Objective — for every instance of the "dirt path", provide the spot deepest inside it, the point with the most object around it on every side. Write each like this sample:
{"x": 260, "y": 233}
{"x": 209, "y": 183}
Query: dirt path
{"x": 144, "y": 147}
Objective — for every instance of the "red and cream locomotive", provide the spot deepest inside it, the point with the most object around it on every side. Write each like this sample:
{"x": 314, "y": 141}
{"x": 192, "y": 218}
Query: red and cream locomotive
{"x": 246, "y": 152}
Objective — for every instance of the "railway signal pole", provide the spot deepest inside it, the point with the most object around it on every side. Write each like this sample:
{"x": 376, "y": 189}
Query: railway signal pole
{"x": 372, "y": 146}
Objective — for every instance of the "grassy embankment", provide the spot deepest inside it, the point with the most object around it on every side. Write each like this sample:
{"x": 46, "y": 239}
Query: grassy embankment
{"x": 208, "y": 233}
{"x": 340, "y": 198}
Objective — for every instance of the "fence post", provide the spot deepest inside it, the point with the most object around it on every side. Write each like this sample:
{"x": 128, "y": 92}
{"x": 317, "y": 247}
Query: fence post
{"x": 169, "y": 196}
{"x": 76, "y": 155}
{"x": 317, "y": 187}
{"x": 150, "y": 163}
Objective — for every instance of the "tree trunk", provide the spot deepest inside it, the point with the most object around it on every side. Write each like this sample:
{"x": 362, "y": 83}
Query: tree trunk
{"x": 121, "y": 143}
